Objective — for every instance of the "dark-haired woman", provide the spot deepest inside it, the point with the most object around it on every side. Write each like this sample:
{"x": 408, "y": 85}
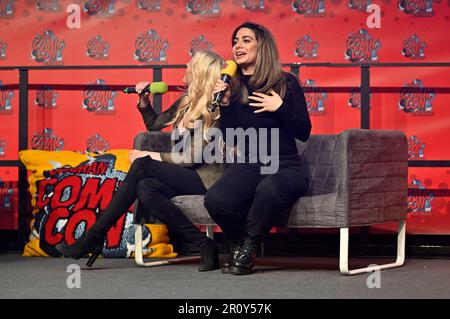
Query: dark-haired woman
{"x": 267, "y": 104}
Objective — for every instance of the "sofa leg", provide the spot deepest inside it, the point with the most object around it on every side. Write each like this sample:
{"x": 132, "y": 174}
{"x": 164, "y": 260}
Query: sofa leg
{"x": 139, "y": 259}
{"x": 210, "y": 231}
{"x": 343, "y": 252}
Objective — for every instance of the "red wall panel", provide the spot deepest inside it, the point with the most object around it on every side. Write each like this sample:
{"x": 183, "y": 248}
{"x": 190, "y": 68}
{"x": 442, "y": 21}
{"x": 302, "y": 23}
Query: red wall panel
{"x": 125, "y": 32}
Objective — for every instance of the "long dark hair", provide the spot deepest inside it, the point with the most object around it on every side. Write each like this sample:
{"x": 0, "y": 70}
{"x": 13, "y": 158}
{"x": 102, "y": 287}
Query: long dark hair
{"x": 268, "y": 72}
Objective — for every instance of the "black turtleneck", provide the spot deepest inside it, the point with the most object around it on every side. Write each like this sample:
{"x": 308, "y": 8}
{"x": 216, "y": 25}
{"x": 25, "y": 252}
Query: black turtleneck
{"x": 291, "y": 118}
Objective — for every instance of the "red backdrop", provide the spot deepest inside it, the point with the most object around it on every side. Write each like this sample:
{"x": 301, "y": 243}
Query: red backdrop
{"x": 125, "y": 32}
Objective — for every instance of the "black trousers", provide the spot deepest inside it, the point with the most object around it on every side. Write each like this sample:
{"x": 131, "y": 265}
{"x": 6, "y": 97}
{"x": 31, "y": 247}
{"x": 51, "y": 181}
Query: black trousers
{"x": 154, "y": 183}
{"x": 244, "y": 200}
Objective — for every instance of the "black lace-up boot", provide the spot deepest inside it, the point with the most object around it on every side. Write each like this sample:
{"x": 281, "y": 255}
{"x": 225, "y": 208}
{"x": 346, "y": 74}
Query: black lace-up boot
{"x": 243, "y": 262}
{"x": 230, "y": 255}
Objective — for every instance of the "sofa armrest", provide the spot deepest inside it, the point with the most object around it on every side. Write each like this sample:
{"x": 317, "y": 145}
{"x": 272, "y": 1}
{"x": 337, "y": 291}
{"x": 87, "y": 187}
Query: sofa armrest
{"x": 358, "y": 177}
{"x": 153, "y": 141}
{"x": 376, "y": 176}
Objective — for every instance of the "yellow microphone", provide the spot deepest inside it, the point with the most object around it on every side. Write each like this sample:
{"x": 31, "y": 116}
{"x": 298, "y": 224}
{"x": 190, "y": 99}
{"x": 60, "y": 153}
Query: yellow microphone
{"x": 227, "y": 74}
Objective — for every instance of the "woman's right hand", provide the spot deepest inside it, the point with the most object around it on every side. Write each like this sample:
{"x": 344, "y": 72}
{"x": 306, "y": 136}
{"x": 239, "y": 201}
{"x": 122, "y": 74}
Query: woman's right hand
{"x": 144, "y": 100}
{"x": 140, "y": 86}
{"x": 222, "y": 86}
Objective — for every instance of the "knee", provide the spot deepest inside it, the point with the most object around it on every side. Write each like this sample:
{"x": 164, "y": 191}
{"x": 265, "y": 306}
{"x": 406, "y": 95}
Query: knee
{"x": 142, "y": 167}
{"x": 140, "y": 162}
{"x": 137, "y": 166}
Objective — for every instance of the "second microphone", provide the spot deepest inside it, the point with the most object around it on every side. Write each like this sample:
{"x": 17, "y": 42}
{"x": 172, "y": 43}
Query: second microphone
{"x": 154, "y": 88}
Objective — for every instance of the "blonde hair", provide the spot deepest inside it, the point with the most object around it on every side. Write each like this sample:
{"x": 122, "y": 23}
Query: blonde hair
{"x": 206, "y": 68}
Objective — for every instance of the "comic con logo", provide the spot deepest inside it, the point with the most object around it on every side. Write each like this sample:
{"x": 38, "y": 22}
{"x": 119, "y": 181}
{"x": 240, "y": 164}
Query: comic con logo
{"x": 149, "y": 5}
{"x": 99, "y": 7}
{"x": 203, "y": 7}
{"x": 99, "y": 98}
{"x": 421, "y": 8}
{"x": 362, "y": 47}
{"x": 97, "y": 48}
{"x": 310, "y": 8}
{"x": 6, "y": 96}
{"x": 360, "y": 5}
{"x": 7, "y": 8}
{"x": 3, "y": 46}
{"x": 416, "y": 148}
{"x": 6, "y": 195}
{"x": 47, "y": 48}
{"x": 2, "y": 148}
{"x": 354, "y": 99}
{"x": 414, "y": 48}
{"x": 46, "y": 141}
{"x": 96, "y": 144}
{"x": 253, "y": 5}
{"x": 46, "y": 97}
{"x": 419, "y": 198}
{"x": 69, "y": 200}
{"x": 151, "y": 48}
{"x": 415, "y": 98}
{"x": 200, "y": 44}
{"x": 306, "y": 47}
{"x": 315, "y": 98}
{"x": 48, "y": 5}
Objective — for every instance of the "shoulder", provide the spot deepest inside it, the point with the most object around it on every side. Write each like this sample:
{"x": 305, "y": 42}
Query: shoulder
{"x": 291, "y": 78}
{"x": 292, "y": 84}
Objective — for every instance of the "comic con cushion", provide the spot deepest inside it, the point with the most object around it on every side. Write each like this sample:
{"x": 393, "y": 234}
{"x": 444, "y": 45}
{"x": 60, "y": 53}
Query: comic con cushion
{"x": 69, "y": 190}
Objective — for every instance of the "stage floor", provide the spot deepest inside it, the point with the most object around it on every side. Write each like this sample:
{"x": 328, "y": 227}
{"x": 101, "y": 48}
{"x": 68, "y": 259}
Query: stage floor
{"x": 289, "y": 278}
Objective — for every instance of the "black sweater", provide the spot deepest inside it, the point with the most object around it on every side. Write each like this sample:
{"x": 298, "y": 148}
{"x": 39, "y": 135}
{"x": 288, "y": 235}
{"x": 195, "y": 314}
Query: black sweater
{"x": 291, "y": 118}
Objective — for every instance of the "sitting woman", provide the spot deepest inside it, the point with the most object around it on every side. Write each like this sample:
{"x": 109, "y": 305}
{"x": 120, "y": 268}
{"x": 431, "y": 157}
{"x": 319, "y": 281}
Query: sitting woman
{"x": 268, "y": 102}
{"x": 154, "y": 178}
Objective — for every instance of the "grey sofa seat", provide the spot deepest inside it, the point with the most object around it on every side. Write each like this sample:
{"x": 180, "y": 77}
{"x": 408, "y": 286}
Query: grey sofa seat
{"x": 358, "y": 177}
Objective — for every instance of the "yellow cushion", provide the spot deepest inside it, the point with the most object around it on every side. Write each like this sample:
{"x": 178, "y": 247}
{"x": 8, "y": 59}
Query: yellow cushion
{"x": 69, "y": 190}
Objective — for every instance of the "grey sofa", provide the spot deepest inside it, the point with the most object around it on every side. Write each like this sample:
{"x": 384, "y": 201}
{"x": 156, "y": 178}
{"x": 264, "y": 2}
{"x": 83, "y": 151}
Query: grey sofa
{"x": 358, "y": 177}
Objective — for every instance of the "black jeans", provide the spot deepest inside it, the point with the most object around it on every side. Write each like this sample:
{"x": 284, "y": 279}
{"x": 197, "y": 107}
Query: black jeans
{"x": 244, "y": 200}
{"x": 154, "y": 183}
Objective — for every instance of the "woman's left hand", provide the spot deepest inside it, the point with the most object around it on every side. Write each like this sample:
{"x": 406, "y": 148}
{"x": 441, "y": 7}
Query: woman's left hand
{"x": 266, "y": 103}
{"x": 134, "y": 154}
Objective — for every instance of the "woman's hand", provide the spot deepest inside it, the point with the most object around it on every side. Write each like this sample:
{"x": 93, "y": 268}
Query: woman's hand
{"x": 141, "y": 86}
{"x": 222, "y": 86}
{"x": 266, "y": 103}
{"x": 134, "y": 154}
{"x": 144, "y": 98}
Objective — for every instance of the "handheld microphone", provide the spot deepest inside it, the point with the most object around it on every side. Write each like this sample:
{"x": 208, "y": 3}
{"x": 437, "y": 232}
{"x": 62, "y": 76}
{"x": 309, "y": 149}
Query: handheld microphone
{"x": 227, "y": 73}
{"x": 154, "y": 88}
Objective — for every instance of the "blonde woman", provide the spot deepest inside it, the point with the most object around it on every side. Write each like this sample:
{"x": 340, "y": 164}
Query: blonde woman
{"x": 154, "y": 178}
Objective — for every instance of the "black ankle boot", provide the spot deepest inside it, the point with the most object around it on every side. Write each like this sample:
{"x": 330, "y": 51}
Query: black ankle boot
{"x": 210, "y": 256}
{"x": 245, "y": 257}
{"x": 89, "y": 242}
